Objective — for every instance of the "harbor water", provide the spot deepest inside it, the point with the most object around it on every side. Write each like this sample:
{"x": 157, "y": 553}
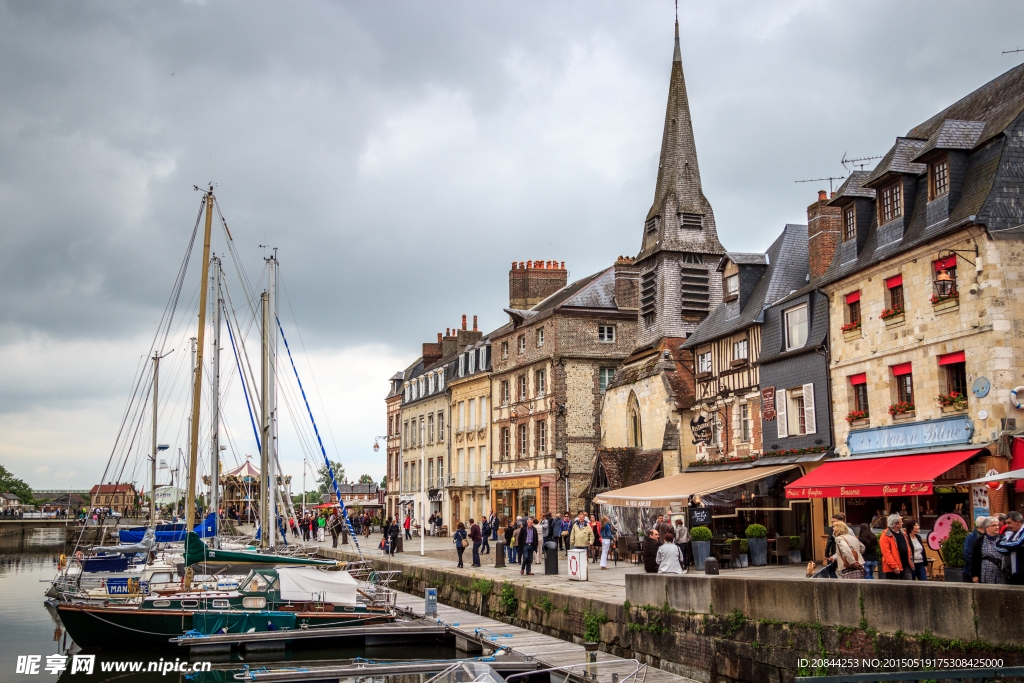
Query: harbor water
{"x": 30, "y": 627}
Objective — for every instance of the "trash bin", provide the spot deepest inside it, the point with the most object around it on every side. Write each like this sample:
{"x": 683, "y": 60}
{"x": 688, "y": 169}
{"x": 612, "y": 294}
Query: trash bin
{"x": 577, "y": 564}
{"x": 551, "y": 558}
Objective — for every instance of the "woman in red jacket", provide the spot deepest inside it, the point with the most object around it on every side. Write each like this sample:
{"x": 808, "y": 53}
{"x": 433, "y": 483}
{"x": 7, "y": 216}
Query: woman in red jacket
{"x": 895, "y": 547}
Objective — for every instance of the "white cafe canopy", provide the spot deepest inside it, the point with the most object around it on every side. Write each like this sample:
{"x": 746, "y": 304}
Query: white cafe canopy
{"x": 1012, "y": 475}
{"x": 674, "y": 491}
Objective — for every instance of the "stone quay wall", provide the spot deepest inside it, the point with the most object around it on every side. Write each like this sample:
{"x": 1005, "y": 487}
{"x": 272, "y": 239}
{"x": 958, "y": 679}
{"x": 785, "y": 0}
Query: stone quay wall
{"x": 731, "y": 630}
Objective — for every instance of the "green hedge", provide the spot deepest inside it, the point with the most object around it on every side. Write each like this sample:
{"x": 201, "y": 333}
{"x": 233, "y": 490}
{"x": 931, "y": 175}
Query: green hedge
{"x": 700, "y": 533}
{"x": 755, "y": 531}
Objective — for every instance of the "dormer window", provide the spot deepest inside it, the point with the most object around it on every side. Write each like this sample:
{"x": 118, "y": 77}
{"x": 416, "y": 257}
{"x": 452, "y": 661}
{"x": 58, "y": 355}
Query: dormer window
{"x": 938, "y": 176}
{"x": 472, "y": 362}
{"x": 732, "y": 287}
{"x": 462, "y": 365}
{"x": 691, "y": 220}
{"x": 431, "y": 383}
{"x": 652, "y": 224}
{"x": 890, "y": 203}
{"x": 849, "y": 224}
{"x": 440, "y": 378}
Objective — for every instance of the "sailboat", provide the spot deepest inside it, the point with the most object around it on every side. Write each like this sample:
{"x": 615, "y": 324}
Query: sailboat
{"x": 277, "y": 592}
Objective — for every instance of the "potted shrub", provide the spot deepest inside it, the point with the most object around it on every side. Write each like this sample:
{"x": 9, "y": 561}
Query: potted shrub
{"x": 757, "y": 542}
{"x": 794, "y": 550}
{"x": 744, "y": 553}
{"x": 952, "y": 550}
{"x": 700, "y": 538}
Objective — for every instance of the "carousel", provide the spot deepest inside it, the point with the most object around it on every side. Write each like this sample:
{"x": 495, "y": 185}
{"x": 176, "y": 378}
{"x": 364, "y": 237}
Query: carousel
{"x": 240, "y": 488}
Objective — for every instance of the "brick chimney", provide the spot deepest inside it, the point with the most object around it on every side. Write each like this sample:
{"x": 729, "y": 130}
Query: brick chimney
{"x": 432, "y": 352}
{"x": 627, "y": 284}
{"x": 531, "y": 282}
{"x": 824, "y": 224}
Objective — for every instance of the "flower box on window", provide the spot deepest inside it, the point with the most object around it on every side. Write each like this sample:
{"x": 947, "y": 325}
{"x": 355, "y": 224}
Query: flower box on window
{"x": 893, "y": 315}
{"x": 901, "y": 408}
{"x": 952, "y": 402}
{"x": 942, "y": 302}
{"x": 894, "y": 320}
{"x": 857, "y": 416}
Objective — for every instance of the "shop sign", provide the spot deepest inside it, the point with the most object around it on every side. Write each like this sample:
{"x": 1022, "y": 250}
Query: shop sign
{"x": 701, "y": 430}
{"x": 945, "y": 431}
{"x": 768, "y": 403}
{"x": 517, "y": 483}
{"x": 699, "y": 516}
{"x": 871, "y": 491}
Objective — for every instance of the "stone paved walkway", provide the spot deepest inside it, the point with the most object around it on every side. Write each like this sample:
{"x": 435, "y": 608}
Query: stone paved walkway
{"x": 439, "y": 553}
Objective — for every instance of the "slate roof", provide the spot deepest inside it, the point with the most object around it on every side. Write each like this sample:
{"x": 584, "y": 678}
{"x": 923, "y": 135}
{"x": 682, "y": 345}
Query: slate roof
{"x": 897, "y": 160}
{"x": 595, "y": 291}
{"x": 991, "y": 190}
{"x": 626, "y": 466}
{"x": 744, "y": 259}
{"x": 786, "y": 271}
{"x": 851, "y": 188}
{"x": 963, "y": 135}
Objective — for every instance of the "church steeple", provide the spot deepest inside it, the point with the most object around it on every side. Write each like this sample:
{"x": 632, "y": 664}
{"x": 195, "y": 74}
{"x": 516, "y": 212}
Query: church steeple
{"x": 679, "y": 280}
{"x": 681, "y": 218}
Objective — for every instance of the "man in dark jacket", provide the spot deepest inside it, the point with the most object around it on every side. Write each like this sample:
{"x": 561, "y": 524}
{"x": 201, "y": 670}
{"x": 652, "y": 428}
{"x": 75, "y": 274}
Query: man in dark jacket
{"x": 477, "y": 537}
{"x": 1011, "y": 544}
{"x": 485, "y": 544}
{"x": 394, "y": 531}
{"x": 969, "y": 547}
{"x": 528, "y": 541}
{"x": 650, "y": 551}
{"x": 492, "y": 521}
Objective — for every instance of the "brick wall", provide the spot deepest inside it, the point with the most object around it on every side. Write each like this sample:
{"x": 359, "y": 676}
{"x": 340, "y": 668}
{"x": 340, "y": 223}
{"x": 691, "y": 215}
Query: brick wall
{"x": 531, "y": 282}
{"x": 824, "y": 225}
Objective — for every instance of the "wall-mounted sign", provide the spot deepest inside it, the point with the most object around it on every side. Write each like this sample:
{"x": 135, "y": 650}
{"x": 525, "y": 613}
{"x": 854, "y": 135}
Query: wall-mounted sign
{"x": 699, "y": 516}
{"x": 768, "y": 403}
{"x": 701, "y": 430}
{"x": 944, "y": 431}
{"x": 981, "y": 387}
{"x": 516, "y": 483}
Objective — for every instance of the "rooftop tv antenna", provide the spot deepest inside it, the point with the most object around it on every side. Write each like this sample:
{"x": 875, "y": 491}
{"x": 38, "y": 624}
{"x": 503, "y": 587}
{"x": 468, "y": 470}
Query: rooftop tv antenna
{"x": 861, "y": 162}
{"x": 818, "y": 180}
{"x": 1005, "y": 52}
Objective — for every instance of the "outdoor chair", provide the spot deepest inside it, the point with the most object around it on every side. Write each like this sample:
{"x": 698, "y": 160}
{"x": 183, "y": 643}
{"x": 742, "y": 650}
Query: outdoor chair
{"x": 781, "y": 549}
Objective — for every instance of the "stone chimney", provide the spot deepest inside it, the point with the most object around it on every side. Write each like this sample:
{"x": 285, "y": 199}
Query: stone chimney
{"x": 466, "y": 337}
{"x": 531, "y": 282}
{"x": 449, "y": 343}
{"x": 432, "y": 352}
{"x": 627, "y": 284}
{"x": 824, "y": 225}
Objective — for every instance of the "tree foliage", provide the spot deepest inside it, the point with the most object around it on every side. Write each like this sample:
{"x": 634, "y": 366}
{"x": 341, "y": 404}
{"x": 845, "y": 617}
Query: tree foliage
{"x": 323, "y": 476}
{"x": 11, "y": 484}
{"x": 365, "y": 479}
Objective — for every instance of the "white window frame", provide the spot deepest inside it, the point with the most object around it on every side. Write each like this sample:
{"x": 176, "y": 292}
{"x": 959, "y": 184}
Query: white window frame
{"x": 521, "y": 343}
{"x": 462, "y": 365}
{"x": 606, "y": 334}
{"x": 440, "y": 426}
{"x": 485, "y": 419}
{"x": 540, "y": 337}
{"x": 703, "y": 362}
{"x": 810, "y": 425}
{"x": 440, "y": 379}
{"x": 745, "y": 343}
{"x": 523, "y": 387}
{"x": 603, "y": 383}
{"x": 504, "y": 349}
{"x": 542, "y": 384}
{"x": 472, "y": 362}
{"x": 781, "y": 413}
{"x": 788, "y": 326}
{"x": 745, "y": 430}
{"x": 732, "y": 285}
{"x": 524, "y": 440}
{"x": 471, "y": 413}
{"x": 542, "y": 437}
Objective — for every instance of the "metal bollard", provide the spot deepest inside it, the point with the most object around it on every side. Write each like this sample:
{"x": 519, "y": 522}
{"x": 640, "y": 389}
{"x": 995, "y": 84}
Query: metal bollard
{"x": 711, "y": 566}
{"x": 499, "y": 553}
{"x": 590, "y": 648}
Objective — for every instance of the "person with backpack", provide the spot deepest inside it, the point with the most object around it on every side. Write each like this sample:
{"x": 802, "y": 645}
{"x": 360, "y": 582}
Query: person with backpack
{"x": 485, "y": 530}
{"x": 460, "y": 537}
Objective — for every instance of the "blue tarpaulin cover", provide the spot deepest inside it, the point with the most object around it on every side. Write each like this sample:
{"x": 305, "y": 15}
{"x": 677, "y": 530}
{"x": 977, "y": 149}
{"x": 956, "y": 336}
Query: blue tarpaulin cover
{"x": 105, "y": 563}
{"x": 208, "y": 529}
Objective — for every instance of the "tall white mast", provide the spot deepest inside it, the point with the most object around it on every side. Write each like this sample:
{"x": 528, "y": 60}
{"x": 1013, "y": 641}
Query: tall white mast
{"x": 152, "y": 471}
{"x": 272, "y": 393}
{"x": 265, "y": 488}
{"x": 218, "y": 299}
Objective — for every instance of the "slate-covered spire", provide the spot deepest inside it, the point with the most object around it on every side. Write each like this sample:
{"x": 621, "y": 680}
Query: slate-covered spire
{"x": 678, "y": 190}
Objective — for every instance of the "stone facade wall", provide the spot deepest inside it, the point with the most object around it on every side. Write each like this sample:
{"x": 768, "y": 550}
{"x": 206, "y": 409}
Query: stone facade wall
{"x": 394, "y": 452}
{"x": 982, "y": 325}
{"x": 433, "y": 450}
{"x": 473, "y": 500}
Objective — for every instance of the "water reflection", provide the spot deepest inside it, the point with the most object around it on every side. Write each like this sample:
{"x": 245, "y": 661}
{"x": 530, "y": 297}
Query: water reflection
{"x": 31, "y": 627}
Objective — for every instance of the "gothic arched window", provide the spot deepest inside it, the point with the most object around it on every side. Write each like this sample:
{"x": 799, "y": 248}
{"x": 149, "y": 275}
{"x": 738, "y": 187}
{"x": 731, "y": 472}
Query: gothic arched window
{"x": 634, "y": 427}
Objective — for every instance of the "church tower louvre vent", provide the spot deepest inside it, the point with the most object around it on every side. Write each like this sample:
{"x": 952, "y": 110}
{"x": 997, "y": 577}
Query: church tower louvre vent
{"x": 695, "y": 293}
{"x": 691, "y": 220}
{"x": 652, "y": 224}
{"x": 648, "y": 298}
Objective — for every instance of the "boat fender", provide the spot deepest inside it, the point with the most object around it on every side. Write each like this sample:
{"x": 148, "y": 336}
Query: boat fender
{"x": 62, "y": 562}
{"x": 79, "y": 555}
{"x": 1015, "y": 394}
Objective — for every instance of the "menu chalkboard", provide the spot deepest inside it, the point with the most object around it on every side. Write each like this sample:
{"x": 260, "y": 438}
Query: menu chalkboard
{"x": 699, "y": 517}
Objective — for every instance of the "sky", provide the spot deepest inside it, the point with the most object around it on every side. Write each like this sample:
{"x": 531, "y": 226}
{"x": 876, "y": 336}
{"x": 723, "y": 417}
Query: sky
{"x": 399, "y": 156}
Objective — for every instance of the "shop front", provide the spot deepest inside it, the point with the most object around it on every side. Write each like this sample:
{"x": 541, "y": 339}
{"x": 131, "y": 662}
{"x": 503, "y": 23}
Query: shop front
{"x": 733, "y": 497}
{"x": 882, "y": 477}
{"x": 515, "y": 496}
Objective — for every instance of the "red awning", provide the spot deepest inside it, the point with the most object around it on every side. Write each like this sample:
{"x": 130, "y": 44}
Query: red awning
{"x": 955, "y": 357}
{"x": 860, "y": 378}
{"x": 948, "y": 262}
{"x": 853, "y": 297}
{"x": 894, "y": 281}
{"x": 900, "y": 475}
{"x": 901, "y": 369}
